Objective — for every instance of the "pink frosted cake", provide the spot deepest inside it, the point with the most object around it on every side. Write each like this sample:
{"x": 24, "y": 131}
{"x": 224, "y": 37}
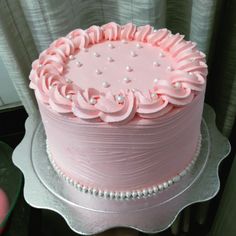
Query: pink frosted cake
{"x": 121, "y": 107}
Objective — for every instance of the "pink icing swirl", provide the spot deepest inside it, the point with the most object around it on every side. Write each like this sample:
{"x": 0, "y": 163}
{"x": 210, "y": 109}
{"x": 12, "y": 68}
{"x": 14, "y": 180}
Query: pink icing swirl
{"x": 95, "y": 34}
{"x": 142, "y": 33}
{"x": 152, "y": 107}
{"x": 187, "y": 80}
{"x": 105, "y": 106}
{"x": 79, "y": 38}
{"x": 128, "y": 31}
{"x": 155, "y": 38}
{"x": 114, "y": 112}
{"x": 111, "y": 31}
{"x": 64, "y": 45}
{"x": 82, "y": 107}
{"x": 61, "y": 98}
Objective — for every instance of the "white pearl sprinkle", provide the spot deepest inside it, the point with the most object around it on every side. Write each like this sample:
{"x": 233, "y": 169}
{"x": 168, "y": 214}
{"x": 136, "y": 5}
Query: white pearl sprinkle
{"x": 124, "y": 41}
{"x": 122, "y": 195}
{"x": 183, "y": 173}
{"x": 150, "y": 190}
{"x": 112, "y": 195}
{"x": 176, "y": 178}
{"x": 96, "y": 54}
{"x": 120, "y": 98}
{"x": 98, "y": 72}
{"x": 100, "y": 193}
{"x": 110, "y": 45}
{"x": 191, "y": 165}
{"x": 105, "y": 84}
{"x": 126, "y": 79}
{"x": 140, "y": 193}
{"x": 154, "y": 95}
{"x": 85, "y": 189}
{"x": 68, "y": 81}
{"x": 156, "y": 64}
{"x": 155, "y": 31}
{"x": 117, "y": 195}
{"x": 92, "y": 101}
{"x": 161, "y": 54}
{"x": 145, "y": 192}
{"x": 68, "y": 96}
{"x": 138, "y": 45}
{"x": 133, "y": 54}
{"x": 155, "y": 189}
{"x": 177, "y": 85}
{"x": 78, "y": 186}
{"x": 190, "y": 73}
{"x": 40, "y": 65}
{"x": 95, "y": 191}
{"x": 106, "y": 194}
{"x": 160, "y": 187}
{"x": 165, "y": 184}
{"x": 79, "y": 64}
{"x": 70, "y": 36}
{"x": 128, "y": 194}
{"x": 110, "y": 59}
{"x": 134, "y": 194}
{"x": 128, "y": 68}
{"x": 170, "y": 182}
{"x": 155, "y": 80}
{"x": 71, "y": 57}
{"x": 169, "y": 68}
{"x": 188, "y": 168}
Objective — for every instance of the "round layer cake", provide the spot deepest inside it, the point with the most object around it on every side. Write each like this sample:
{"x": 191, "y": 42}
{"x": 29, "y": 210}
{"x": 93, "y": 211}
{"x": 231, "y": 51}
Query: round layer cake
{"x": 121, "y": 107}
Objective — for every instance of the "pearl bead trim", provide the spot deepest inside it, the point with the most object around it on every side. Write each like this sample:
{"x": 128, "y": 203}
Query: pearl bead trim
{"x": 126, "y": 195}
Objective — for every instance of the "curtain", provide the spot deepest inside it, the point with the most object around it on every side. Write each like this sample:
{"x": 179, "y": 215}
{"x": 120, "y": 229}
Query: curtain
{"x": 27, "y": 27}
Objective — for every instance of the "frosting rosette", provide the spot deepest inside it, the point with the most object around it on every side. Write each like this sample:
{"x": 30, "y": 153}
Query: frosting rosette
{"x": 83, "y": 105}
{"x": 111, "y": 31}
{"x": 128, "y": 31}
{"x": 151, "y": 105}
{"x": 95, "y": 34}
{"x": 79, "y": 38}
{"x": 61, "y": 97}
{"x": 142, "y": 33}
{"x": 174, "y": 87}
{"x": 117, "y": 109}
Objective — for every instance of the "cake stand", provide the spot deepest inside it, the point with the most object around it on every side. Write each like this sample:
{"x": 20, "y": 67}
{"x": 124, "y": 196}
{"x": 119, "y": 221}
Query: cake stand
{"x": 87, "y": 214}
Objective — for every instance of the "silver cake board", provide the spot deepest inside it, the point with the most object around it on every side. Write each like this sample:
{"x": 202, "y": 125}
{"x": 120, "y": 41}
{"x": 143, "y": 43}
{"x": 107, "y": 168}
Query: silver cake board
{"x": 87, "y": 214}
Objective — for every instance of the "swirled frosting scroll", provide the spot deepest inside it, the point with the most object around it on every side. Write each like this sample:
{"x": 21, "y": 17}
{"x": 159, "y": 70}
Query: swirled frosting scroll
{"x": 113, "y": 73}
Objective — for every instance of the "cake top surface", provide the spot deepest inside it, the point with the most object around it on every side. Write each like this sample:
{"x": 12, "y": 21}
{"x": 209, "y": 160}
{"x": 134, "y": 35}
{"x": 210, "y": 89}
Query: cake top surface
{"x": 112, "y": 73}
{"x": 118, "y": 65}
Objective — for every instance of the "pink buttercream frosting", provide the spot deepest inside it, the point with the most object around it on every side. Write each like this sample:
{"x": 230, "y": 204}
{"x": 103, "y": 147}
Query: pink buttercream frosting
{"x": 114, "y": 73}
{"x": 121, "y": 105}
{"x": 137, "y": 155}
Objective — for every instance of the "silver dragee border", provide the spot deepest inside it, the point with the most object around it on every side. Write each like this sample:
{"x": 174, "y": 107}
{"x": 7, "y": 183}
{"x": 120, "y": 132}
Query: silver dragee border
{"x": 125, "y": 195}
